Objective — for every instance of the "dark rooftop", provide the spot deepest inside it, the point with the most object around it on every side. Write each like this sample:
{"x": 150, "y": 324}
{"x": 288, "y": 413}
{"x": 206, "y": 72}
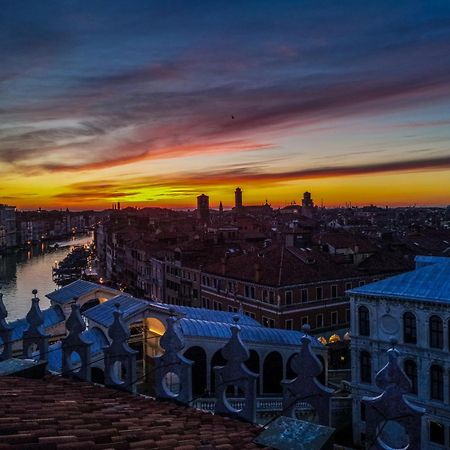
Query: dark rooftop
{"x": 55, "y": 413}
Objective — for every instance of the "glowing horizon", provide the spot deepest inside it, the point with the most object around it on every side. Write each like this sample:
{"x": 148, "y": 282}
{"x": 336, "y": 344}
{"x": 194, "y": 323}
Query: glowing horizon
{"x": 153, "y": 104}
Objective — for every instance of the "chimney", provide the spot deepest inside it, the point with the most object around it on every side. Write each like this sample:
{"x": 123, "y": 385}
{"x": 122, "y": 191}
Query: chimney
{"x": 257, "y": 272}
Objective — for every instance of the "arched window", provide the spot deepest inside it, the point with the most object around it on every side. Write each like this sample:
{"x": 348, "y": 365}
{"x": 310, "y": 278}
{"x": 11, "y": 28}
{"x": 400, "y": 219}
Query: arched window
{"x": 216, "y": 360}
{"x": 436, "y": 332}
{"x": 365, "y": 361}
{"x": 272, "y": 373}
{"x": 364, "y": 321}
{"x": 436, "y": 382}
{"x": 253, "y": 364}
{"x": 199, "y": 369}
{"x": 411, "y": 372}
{"x": 409, "y": 328}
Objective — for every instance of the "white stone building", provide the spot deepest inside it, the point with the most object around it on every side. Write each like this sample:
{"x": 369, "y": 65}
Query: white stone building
{"x": 414, "y": 309}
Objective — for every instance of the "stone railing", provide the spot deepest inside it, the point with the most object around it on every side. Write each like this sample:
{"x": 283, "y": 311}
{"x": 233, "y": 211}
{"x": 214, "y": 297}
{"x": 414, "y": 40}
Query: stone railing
{"x": 262, "y": 404}
{"x": 340, "y": 407}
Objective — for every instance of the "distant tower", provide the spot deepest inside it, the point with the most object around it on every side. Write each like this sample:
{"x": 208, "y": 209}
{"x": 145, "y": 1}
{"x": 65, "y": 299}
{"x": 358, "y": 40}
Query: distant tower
{"x": 118, "y": 206}
{"x": 238, "y": 198}
{"x": 307, "y": 205}
{"x": 203, "y": 208}
{"x": 220, "y": 208}
{"x": 307, "y": 200}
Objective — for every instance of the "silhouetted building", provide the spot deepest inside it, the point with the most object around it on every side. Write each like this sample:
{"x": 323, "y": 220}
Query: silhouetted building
{"x": 307, "y": 205}
{"x": 203, "y": 208}
{"x": 238, "y": 198}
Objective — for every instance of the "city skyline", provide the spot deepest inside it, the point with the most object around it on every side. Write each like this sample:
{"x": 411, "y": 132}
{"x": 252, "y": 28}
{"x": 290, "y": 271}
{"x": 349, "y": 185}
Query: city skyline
{"x": 153, "y": 104}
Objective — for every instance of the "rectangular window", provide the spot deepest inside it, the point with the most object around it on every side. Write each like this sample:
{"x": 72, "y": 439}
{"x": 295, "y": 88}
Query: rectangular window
{"x": 319, "y": 293}
{"x": 365, "y": 366}
{"x": 437, "y": 433}
{"x": 362, "y": 283}
{"x": 233, "y": 309}
{"x": 268, "y": 323}
{"x": 250, "y": 291}
{"x": 363, "y": 412}
{"x": 304, "y": 320}
{"x": 348, "y": 286}
{"x": 249, "y": 314}
{"x": 334, "y": 317}
{"x": 436, "y": 331}
{"x": 436, "y": 382}
{"x": 288, "y": 297}
{"x": 409, "y": 328}
{"x": 304, "y": 295}
{"x": 288, "y": 324}
{"x": 347, "y": 315}
{"x": 334, "y": 290}
{"x": 319, "y": 321}
{"x": 217, "y": 306}
{"x": 271, "y": 297}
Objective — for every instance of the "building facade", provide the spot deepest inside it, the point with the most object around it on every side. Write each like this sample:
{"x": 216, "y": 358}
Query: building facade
{"x": 414, "y": 310}
{"x": 8, "y": 225}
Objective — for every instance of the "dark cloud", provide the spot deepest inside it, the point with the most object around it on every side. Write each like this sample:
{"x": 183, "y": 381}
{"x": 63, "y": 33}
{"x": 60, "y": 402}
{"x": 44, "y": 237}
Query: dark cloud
{"x": 187, "y": 184}
{"x": 93, "y": 87}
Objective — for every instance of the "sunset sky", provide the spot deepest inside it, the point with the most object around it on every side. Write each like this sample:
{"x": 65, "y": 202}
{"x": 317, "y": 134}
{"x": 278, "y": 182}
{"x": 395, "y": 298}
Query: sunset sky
{"x": 152, "y": 103}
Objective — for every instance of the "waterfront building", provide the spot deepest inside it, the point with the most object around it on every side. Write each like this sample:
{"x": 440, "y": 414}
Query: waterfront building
{"x": 413, "y": 309}
{"x": 8, "y": 226}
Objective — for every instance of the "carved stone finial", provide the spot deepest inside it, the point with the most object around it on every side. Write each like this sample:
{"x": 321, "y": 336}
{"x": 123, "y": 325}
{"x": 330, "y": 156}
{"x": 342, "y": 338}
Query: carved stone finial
{"x": 172, "y": 365}
{"x": 235, "y": 374}
{"x": 75, "y": 323}
{"x": 392, "y": 406}
{"x": 306, "y": 328}
{"x": 34, "y": 292}
{"x": 306, "y": 387}
{"x": 76, "y": 349}
{"x": 35, "y": 334}
{"x": 5, "y": 332}
{"x": 120, "y": 358}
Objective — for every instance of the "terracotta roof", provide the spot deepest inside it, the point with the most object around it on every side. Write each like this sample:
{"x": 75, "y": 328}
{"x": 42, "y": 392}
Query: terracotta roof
{"x": 56, "y": 414}
{"x": 342, "y": 239}
{"x": 281, "y": 267}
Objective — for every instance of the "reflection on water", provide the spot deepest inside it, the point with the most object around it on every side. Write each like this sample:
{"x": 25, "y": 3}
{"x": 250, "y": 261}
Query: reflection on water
{"x": 24, "y": 271}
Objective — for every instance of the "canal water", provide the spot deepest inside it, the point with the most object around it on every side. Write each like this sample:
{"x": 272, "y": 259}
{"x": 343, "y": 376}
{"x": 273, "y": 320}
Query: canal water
{"x": 24, "y": 271}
